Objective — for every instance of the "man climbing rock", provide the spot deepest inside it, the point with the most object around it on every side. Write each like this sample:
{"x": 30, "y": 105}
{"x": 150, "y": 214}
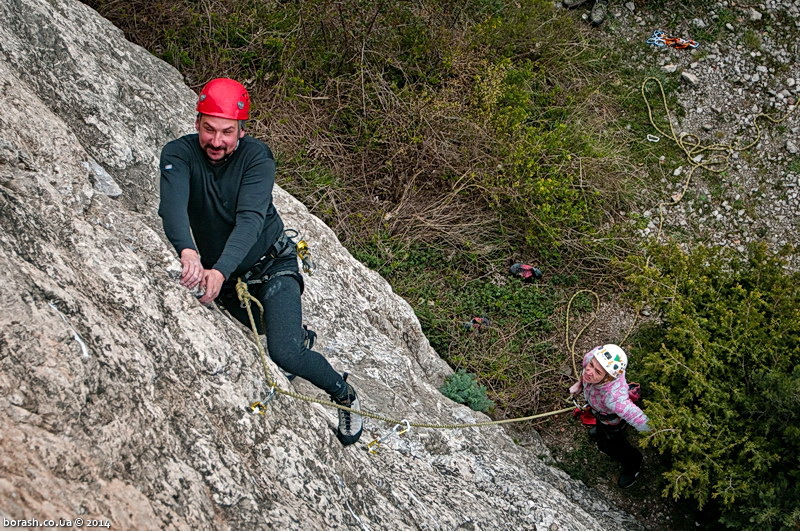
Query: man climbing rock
{"x": 217, "y": 211}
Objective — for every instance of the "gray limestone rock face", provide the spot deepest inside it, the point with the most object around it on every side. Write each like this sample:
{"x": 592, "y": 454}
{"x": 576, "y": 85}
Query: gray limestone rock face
{"x": 122, "y": 399}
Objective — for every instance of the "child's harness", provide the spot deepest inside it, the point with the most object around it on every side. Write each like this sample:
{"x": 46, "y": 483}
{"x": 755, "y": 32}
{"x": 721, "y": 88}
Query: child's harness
{"x": 589, "y": 416}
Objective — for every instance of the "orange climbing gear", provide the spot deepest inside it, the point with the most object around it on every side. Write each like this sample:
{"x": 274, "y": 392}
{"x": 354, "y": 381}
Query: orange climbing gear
{"x": 661, "y": 39}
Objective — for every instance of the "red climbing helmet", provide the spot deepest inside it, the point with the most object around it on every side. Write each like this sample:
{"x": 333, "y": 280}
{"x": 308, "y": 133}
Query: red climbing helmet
{"x": 225, "y": 98}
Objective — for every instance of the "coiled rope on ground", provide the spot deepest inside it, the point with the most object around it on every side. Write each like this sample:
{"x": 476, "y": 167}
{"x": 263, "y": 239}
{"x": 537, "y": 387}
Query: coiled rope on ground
{"x": 714, "y": 157}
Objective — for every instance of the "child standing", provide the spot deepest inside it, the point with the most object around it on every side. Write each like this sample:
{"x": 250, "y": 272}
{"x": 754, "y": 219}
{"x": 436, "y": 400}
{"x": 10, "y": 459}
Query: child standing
{"x": 606, "y": 391}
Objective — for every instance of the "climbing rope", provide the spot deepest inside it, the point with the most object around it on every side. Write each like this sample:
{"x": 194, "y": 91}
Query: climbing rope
{"x": 714, "y": 157}
{"x": 259, "y": 407}
{"x": 571, "y": 346}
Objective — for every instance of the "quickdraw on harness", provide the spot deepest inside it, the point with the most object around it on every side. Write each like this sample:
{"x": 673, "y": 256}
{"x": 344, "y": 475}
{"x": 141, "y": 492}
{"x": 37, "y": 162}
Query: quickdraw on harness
{"x": 304, "y": 252}
{"x": 661, "y": 39}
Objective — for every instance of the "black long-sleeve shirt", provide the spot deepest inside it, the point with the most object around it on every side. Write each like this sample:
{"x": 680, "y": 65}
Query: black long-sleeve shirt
{"x": 226, "y": 207}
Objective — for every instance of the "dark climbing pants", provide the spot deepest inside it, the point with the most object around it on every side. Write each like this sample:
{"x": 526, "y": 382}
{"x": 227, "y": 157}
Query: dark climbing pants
{"x": 611, "y": 440}
{"x": 283, "y": 324}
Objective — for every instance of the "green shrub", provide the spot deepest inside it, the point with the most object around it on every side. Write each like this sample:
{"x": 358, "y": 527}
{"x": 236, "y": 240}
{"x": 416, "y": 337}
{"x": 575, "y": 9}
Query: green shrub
{"x": 724, "y": 367}
{"x": 462, "y": 387}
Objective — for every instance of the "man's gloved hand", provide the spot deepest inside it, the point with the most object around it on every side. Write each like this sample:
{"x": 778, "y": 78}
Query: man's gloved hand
{"x": 211, "y": 283}
{"x": 192, "y": 272}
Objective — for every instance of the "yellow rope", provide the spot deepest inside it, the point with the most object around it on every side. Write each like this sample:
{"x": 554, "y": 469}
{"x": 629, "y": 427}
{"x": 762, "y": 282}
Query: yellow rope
{"x": 718, "y": 154}
{"x": 571, "y": 346}
{"x": 245, "y": 297}
{"x": 717, "y": 162}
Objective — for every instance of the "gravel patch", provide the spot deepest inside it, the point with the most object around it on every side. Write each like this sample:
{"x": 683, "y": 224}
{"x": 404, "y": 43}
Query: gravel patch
{"x": 749, "y": 69}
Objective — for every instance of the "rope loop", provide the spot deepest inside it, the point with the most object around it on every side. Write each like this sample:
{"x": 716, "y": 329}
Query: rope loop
{"x": 714, "y": 157}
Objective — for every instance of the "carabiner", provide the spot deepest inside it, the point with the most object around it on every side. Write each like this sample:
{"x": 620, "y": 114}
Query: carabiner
{"x": 258, "y": 407}
{"x": 373, "y": 446}
{"x": 406, "y": 430}
{"x": 579, "y": 406}
{"x": 304, "y": 252}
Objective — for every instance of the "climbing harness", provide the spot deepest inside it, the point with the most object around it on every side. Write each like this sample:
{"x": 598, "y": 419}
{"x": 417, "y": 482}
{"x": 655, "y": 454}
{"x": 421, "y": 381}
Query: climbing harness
{"x": 283, "y": 247}
{"x": 263, "y": 278}
{"x": 589, "y": 417}
{"x": 661, "y": 40}
{"x": 246, "y": 298}
{"x": 375, "y": 444}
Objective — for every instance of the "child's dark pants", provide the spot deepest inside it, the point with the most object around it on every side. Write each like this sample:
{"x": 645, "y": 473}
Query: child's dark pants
{"x": 611, "y": 440}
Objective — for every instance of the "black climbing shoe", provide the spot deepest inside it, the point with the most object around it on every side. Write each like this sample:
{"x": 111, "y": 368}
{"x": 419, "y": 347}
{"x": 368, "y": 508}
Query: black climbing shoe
{"x": 626, "y": 479}
{"x": 350, "y": 424}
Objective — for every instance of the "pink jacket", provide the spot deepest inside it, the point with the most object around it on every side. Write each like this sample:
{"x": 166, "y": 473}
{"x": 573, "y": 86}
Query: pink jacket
{"x": 612, "y": 397}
